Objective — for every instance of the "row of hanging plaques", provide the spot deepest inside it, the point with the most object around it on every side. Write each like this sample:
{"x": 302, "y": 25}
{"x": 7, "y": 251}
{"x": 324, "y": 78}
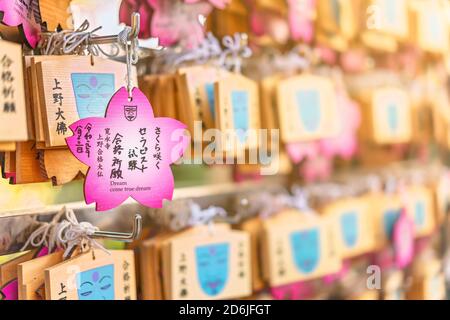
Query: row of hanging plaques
{"x": 60, "y": 90}
{"x": 381, "y": 25}
{"x": 219, "y": 262}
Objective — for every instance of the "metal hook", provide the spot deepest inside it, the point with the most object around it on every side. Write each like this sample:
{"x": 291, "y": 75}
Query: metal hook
{"x": 122, "y": 236}
{"x": 135, "y": 25}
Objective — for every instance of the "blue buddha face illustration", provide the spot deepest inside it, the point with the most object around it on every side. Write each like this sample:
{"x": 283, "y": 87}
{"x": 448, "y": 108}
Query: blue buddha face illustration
{"x": 306, "y": 249}
{"x": 349, "y": 228}
{"x": 92, "y": 93}
{"x": 209, "y": 87}
{"x": 336, "y": 11}
{"x": 419, "y": 214}
{"x": 308, "y": 104}
{"x": 212, "y": 267}
{"x": 392, "y": 114}
{"x": 391, "y": 12}
{"x": 240, "y": 103}
{"x": 96, "y": 284}
{"x": 390, "y": 217}
{"x": 434, "y": 28}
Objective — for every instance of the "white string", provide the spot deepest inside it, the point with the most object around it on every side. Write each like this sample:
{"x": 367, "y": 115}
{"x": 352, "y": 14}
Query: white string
{"x": 236, "y": 48}
{"x": 203, "y": 216}
{"x": 71, "y": 233}
{"x": 299, "y": 199}
{"x": 43, "y": 235}
{"x": 290, "y": 62}
{"x": 196, "y": 216}
{"x": 80, "y": 40}
{"x": 208, "y": 49}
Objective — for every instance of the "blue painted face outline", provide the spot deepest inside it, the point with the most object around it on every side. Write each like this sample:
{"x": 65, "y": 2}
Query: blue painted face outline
{"x": 392, "y": 117}
{"x": 336, "y": 8}
{"x": 390, "y": 217}
{"x": 92, "y": 93}
{"x": 209, "y": 88}
{"x": 240, "y": 103}
{"x": 212, "y": 264}
{"x": 434, "y": 30}
{"x": 305, "y": 247}
{"x": 349, "y": 228}
{"x": 419, "y": 214}
{"x": 96, "y": 283}
{"x": 308, "y": 104}
{"x": 391, "y": 12}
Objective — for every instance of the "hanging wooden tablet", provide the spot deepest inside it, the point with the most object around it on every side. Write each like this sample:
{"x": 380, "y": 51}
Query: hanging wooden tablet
{"x": 150, "y": 267}
{"x": 354, "y": 217}
{"x": 393, "y": 17}
{"x": 150, "y": 257}
{"x": 440, "y": 105}
{"x": 422, "y": 123}
{"x": 27, "y": 164}
{"x": 160, "y": 89}
{"x": 56, "y": 13}
{"x": 60, "y": 166}
{"x": 386, "y": 212}
{"x": 387, "y": 116}
{"x": 253, "y": 227}
{"x": 93, "y": 276}
{"x": 196, "y": 90}
{"x": 307, "y": 108}
{"x": 13, "y": 117}
{"x": 168, "y": 91}
{"x": 428, "y": 281}
{"x": 238, "y": 115}
{"x": 385, "y": 25}
{"x": 234, "y": 18}
{"x": 149, "y": 84}
{"x": 442, "y": 196}
{"x": 208, "y": 265}
{"x": 339, "y": 17}
{"x": 75, "y": 88}
{"x": 31, "y": 277}
{"x": 430, "y": 25}
{"x": 28, "y": 87}
{"x": 37, "y": 108}
{"x": 9, "y": 167}
{"x": 297, "y": 247}
{"x": 337, "y": 23}
{"x": 421, "y": 210}
{"x": 7, "y": 146}
{"x": 268, "y": 100}
{"x": 393, "y": 286}
{"x": 8, "y": 273}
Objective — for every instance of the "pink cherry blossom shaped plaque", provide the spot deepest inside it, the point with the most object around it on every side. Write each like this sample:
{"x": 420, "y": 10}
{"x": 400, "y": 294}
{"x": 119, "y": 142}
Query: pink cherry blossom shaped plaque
{"x": 24, "y": 14}
{"x": 301, "y": 19}
{"x": 177, "y": 22}
{"x": 403, "y": 240}
{"x": 345, "y": 144}
{"x": 220, "y": 4}
{"x": 129, "y": 152}
{"x": 10, "y": 291}
{"x": 127, "y": 7}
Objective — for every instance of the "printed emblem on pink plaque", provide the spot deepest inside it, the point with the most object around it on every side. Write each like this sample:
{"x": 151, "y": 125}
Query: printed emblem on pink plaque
{"x": 24, "y": 14}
